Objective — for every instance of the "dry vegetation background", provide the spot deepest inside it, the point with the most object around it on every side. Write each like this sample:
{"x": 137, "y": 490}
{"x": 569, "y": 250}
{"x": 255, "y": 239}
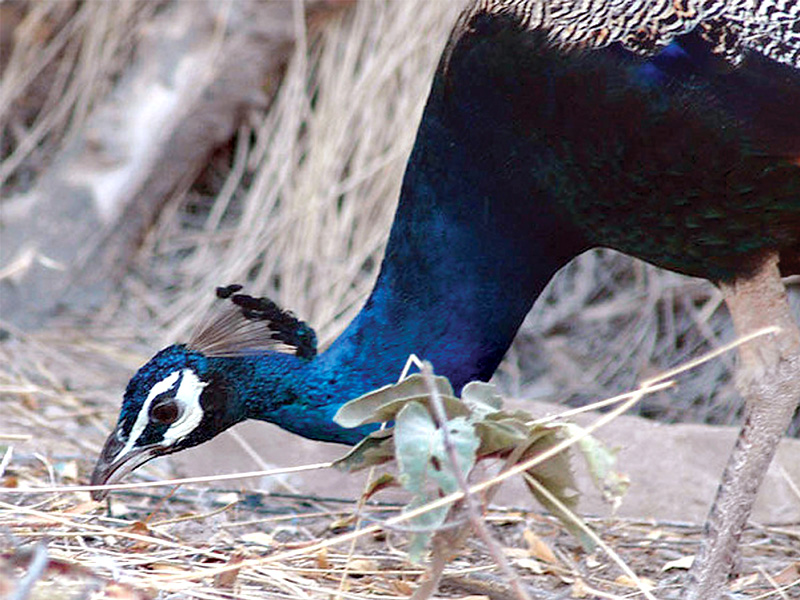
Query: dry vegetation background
{"x": 296, "y": 202}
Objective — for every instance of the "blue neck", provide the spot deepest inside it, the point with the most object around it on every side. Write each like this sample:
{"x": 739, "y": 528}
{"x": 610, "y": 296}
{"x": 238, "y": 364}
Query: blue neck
{"x": 519, "y": 146}
{"x": 472, "y": 246}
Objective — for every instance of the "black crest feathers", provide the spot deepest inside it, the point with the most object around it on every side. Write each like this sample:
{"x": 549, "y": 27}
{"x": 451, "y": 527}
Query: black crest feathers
{"x": 248, "y": 325}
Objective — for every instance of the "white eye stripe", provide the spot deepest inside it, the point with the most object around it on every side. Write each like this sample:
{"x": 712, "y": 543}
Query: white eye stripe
{"x": 188, "y": 395}
{"x": 143, "y": 417}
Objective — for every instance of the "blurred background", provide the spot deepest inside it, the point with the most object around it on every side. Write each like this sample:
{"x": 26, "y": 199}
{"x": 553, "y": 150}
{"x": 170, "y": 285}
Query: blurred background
{"x": 150, "y": 151}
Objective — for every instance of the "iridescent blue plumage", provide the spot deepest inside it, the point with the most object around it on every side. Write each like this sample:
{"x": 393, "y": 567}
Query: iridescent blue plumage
{"x": 666, "y": 129}
{"x": 536, "y": 144}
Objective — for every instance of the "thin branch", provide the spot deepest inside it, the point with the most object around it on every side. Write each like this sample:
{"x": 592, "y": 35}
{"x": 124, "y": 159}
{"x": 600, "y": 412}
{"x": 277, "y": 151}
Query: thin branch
{"x": 36, "y": 568}
{"x": 588, "y": 531}
{"x": 478, "y": 524}
{"x": 163, "y": 482}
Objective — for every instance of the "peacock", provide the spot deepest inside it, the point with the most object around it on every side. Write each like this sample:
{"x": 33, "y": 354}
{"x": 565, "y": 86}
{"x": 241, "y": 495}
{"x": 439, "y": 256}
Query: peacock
{"x": 665, "y": 129}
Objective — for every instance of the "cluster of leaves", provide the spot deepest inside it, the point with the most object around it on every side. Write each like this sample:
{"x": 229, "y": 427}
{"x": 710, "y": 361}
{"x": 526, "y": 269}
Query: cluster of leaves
{"x": 475, "y": 429}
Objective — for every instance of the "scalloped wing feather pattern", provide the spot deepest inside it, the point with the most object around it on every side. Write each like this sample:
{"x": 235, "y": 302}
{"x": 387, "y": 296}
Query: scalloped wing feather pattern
{"x": 768, "y": 27}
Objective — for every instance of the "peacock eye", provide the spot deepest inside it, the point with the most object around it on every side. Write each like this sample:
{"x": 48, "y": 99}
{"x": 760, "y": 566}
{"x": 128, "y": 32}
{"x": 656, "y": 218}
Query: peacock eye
{"x": 166, "y": 412}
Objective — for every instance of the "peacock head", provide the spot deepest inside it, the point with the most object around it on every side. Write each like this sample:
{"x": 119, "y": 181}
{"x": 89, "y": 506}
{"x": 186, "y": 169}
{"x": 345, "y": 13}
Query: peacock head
{"x": 181, "y": 397}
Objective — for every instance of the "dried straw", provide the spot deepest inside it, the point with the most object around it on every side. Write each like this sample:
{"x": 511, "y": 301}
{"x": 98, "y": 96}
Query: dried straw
{"x": 300, "y": 210}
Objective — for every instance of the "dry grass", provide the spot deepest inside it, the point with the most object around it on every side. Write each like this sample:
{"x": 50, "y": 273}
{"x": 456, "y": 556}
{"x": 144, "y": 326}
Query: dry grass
{"x": 299, "y": 206}
{"x": 300, "y": 203}
{"x": 270, "y": 547}
{"x": 187, "y": 542}
{"x": 220, "y": 543}
{"x": 310, "y": 186}
{"x": 66, "y": 56}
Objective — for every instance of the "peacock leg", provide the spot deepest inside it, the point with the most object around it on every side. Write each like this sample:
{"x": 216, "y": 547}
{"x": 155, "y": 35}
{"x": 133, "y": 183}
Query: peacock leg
{"x": 768, "y": 377}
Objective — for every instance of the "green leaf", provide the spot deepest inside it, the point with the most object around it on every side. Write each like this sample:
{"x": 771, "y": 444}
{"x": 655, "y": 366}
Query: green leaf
{"x": 383, "y": 482}
{"x": 601, "y": 461}
{"x": 414, "y": 439}
{"x": 366, "y": 409}
{"x": 500, "y": 437}
{"x": 453, "y": 407}
{"x": 375, "y": 449}
{"x": 425, "y": 467}
{"x": 421, "y": 453}
{"x": 482, "y": 398}
{"x": 478, "y": 428}
{"x": 556, "y": 476}
{"x": 422, "y": 527}
{"x": 556, "y": 472}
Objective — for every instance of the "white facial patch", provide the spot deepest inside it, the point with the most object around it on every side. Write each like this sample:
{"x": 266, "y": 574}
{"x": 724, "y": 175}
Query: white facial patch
{"x": 144, "y": 413}
{"x": 188, "y": 396}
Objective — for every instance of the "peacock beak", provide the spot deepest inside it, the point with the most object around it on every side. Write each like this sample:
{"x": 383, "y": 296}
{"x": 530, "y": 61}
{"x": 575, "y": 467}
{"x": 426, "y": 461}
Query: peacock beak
{"x": 116, "y": 461}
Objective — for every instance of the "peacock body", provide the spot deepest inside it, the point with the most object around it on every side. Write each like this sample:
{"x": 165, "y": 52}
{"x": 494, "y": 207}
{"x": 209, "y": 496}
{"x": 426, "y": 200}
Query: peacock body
{"x": 666, "y": 129}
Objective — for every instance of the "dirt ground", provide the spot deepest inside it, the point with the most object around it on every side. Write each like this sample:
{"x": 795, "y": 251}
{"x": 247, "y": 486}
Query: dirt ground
{"x": 282, "y": 537}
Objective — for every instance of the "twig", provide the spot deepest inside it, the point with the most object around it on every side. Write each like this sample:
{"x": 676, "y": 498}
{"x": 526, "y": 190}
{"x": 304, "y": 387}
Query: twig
{"x": 710, "y": 355}
{"x": 594, "y": 406}
{"x": 771, "y": 594}
{"x": 36, "y": 567}
{"x": 789, "y": 481}
{"x": 411, "y": 361}
{"x": 474, "y": 516}
{"x": 102, "y": 530}
{"x": 7, "y": 455}
{"x": 16, "y": 437}
{"x": 164, "y": 482}
{"x": 588, "y": 531}
{"x": 775, "y": 585}
{"x": 486, "y": 584}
